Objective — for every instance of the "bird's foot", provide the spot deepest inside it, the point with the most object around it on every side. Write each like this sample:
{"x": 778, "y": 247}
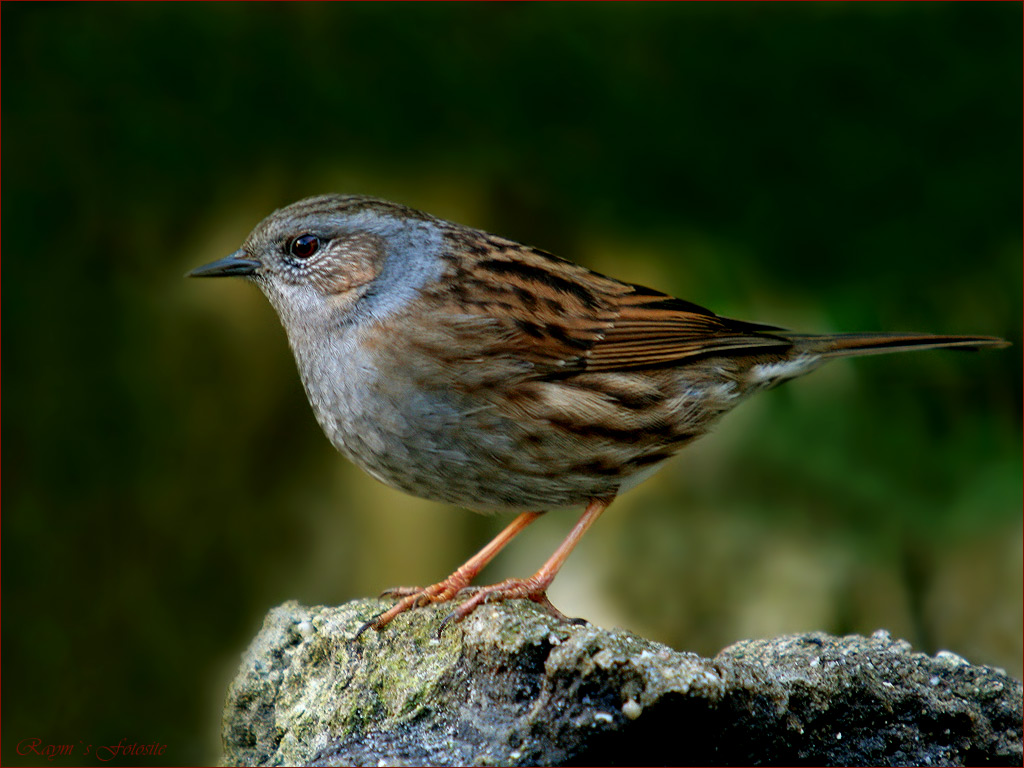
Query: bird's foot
{"x": 533, "y": 588}
{"x": 415, "y": 597}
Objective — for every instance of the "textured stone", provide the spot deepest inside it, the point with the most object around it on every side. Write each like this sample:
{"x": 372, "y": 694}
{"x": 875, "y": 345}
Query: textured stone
{"x": 513, "y": 686}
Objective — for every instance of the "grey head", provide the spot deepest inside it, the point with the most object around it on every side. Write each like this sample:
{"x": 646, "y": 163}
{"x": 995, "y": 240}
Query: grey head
{"x": 337, "y": 259}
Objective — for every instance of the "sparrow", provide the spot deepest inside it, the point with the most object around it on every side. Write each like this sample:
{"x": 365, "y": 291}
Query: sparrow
{"x": 466, "y": 368}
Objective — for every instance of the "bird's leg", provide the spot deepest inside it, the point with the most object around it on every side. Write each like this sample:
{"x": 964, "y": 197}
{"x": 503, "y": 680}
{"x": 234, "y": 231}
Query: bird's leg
{"x": 535, "y": 587}
{"x": 413, "y": 597}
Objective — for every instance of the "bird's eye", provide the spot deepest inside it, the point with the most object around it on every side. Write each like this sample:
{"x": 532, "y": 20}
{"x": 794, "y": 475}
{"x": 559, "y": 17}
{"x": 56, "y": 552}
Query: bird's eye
{"x": 304, "y": 246}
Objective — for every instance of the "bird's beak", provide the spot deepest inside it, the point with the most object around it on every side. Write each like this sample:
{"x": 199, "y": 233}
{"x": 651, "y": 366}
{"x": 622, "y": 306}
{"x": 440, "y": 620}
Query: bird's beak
{"x": 237, "y": 264}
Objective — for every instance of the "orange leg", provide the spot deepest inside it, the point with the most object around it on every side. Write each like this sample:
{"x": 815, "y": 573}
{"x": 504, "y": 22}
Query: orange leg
{"x": 535, "y": 587}
{"x": 413, "y": 597}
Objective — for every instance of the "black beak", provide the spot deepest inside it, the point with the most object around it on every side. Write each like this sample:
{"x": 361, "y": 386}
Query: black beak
{"x": 237, "y": 264}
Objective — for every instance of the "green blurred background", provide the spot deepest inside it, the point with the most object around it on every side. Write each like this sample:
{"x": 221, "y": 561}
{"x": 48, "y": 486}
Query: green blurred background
{"x": 820, "y": 167}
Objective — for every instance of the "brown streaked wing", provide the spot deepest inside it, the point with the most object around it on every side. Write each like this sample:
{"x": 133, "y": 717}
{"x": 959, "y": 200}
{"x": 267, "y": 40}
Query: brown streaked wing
{"x": 653, "y": 329}
{"x": 565, "y": 318}
{"x": 548, "y": 311}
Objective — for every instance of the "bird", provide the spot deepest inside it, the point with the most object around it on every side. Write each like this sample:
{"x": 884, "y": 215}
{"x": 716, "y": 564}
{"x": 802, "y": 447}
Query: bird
{"x": 466, "y": 368}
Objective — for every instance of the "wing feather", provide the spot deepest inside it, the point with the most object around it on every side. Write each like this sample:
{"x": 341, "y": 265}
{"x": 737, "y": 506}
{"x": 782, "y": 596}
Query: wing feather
{"x": 564, "y": 318}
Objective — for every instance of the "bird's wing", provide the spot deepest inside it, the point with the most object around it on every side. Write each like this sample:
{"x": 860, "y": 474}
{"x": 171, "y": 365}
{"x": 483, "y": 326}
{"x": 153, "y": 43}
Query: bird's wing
{"x": 562, "y": 317}
{"x": 653, "y": 329}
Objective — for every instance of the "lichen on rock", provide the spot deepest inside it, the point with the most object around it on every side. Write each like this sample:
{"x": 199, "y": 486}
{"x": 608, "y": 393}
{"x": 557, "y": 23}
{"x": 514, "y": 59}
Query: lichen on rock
{"x": 511, "y": 685}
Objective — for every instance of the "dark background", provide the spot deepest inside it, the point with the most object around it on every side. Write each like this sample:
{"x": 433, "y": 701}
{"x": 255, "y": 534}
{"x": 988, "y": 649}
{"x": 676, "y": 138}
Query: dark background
{"x": 821, "y": 167}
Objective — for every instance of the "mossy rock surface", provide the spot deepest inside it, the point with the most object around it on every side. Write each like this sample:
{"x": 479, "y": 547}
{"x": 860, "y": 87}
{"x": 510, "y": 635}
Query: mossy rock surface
{"x": 513, "y": 686}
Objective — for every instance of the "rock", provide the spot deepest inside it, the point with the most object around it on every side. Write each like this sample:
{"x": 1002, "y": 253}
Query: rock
{"x": 513, "y": 686}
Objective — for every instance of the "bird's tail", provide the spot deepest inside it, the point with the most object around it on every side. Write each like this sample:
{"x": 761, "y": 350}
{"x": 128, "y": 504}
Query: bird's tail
{"x": 849, "y": 344}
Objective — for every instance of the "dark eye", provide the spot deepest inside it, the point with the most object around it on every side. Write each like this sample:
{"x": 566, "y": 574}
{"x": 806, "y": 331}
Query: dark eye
{"x": 304, "y": 246}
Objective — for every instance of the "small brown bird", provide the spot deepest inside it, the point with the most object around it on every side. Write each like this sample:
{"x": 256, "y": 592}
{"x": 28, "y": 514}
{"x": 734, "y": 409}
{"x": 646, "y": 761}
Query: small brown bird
{"x": 466, "y": 368}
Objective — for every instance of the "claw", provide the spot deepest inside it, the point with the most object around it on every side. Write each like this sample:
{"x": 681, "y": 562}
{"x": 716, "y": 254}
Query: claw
{"x": 445, "y": 623}
{"x": 367, "y": 625}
